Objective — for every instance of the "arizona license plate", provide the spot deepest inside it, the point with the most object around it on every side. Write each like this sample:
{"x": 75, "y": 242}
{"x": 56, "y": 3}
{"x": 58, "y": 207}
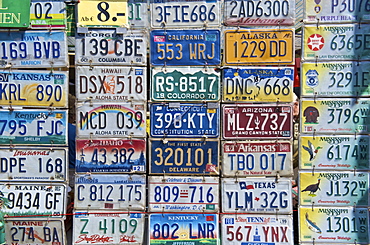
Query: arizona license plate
{"x": 262, "y": 84}
{"x": 257, "y": 195}
{"x": 111, "y": 155}
{"x": 48, "y": 14}
{"x": 33, "y": 127}
{"x": 138, "y": 14}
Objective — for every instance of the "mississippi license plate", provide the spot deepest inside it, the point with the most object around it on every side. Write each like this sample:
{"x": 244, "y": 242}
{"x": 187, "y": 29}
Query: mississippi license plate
{"x": 184, "y": 120}
{"x": 185, "y": 47}
{"x": 111, "y": 155}
{"x": 259, "y": 46}
{"x": 33, "y": 127}
{"x": 185, "y": 83}
{"x": 138, "y": 14}
{"x": 48, "y": 14}
{"x": 270, "y": 121}
{"x": 111, "y": 84}
{"x": 257, "y": 195}
{"x": 262, "y": 84}
{"x": 111, "y": 119}
{"x": 97, "y": 227}
{"x": 184, "y": 157}
{"x": 110, "y": 191}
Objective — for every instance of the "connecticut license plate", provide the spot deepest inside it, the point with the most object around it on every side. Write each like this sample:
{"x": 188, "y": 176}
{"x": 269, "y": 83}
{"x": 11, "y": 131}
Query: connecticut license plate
{"x": 48, "y": 14}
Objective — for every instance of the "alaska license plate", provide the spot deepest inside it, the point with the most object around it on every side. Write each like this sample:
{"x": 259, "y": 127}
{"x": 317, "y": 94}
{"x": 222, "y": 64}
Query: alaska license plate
{"x": 48, "y": 14}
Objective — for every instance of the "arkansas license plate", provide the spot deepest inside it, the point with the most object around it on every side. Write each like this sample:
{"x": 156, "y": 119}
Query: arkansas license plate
{"x": 48, "y": 14}
{"x": 111, "y": 155}
{"x": 138, "y": 14}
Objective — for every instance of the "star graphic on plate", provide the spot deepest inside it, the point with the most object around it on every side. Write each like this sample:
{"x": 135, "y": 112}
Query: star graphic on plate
{"x": 315, "y": 42}
{"x": 257, "y": 199}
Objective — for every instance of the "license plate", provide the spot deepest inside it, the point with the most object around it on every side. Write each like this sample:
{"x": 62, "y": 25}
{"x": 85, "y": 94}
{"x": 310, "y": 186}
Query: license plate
{"x": 138, "y": 14}
{"x": 107, "y": 120}
{"x": 33, "y": 49}
{"x": 257, "y": 158}
{"x": 257, "y": 195}
{"x": 48, "y": 14}
{"x": 185, "y": 47}
{"x": 107, "y": 47}
{"x": 104, "y": 227}
{"x": 15, "y": 15}
{"x": 184, "y": 120}
{"x": 185, "y": 83}
{"x": 110, "y": 191}
{"x": 33, "y": 127}
{"x": 251, "y": 84}
{"x": 184, "y": 157}
{"x": 331, "y": 225}
{"x": 257, "y": 121}
{"x": 111, "y": 155}
{"x": 259, "y": 46}
{"x": 338, "y": 116}
{"x": 334, "y": 152}
{"x": 111, "y": 84}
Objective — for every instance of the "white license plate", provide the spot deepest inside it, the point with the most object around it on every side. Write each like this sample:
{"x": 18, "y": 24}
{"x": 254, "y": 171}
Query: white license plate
{"x": 138, "y": 14}
{"x": 48, "y": 14}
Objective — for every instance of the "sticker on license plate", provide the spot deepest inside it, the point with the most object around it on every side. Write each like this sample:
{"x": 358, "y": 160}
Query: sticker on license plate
{"x": 48, "y": 14}
{"x": 138, "y": 14}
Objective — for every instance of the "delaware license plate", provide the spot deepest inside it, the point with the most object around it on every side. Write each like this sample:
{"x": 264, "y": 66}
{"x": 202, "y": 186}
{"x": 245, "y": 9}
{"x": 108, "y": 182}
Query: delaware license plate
{"x": 257, "y": 158}
{"x": 48, "y": 14}
{"x": 251, "y": 84}
{"x": 185, "y": 83}
{"x": 184, "y": 120}
{"x": 110, "y": 191}
{"x": 33, "y": 127}
{"x": 138, "y": 14}
{"x": 257, "y": 195}
{"x": 185, "y": 47}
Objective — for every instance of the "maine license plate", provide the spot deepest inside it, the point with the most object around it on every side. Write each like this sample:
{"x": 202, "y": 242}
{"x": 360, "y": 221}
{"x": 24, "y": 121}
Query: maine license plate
{"x": 111, "y": 84}
{"x": 185, "y": 83}
{"x": 110, "y": 191}
{"x": 33, "y": 49}
{"x": 270, "y": 121}
{"x": 259, "y": 46}
{"x": 185, "y": 47}
{"x": 184, "y": 120}
{"x": 257, "y": 195}
{"x": 111, "y": 155}
{"x": 257, "y": 158}
{"x": 48, "y": 14}
{"x": 138, "y": 14}
{"x": 33, "y": 127}
{"x": 111, "y": 119}
{"x": 184, "y": 157}
{"x": 262, "y": 84}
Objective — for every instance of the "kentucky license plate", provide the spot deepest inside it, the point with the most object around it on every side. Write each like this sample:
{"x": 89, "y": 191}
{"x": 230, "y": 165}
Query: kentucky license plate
{"x": 48, "y": 14}
{"x": 138, "y": 14}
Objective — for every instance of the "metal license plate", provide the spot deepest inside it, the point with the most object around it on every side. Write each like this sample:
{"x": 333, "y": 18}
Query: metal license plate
{"x": 257, "y": 195}
{"x": 185, "y": 83}
{"x": 33, "y": 127}
{"x": 331, "y": 225}
{"x": 48, "y": 14}
{"x": 257, "y": 158}
{"x": 107, "y": 120}
{"x": 111, "y": 84}
{"x": 259, "y": 46}
{"x": 338, "y": 116}
{"x": 108, "y": 228}
{"x": 251, "y": 84}
{"x": 111, "y": 155}
{"x": 138, "y": 14}
{"x": 259, "y": 12}
{"x": 334, "y": 152}
{"x": 270, "y": 121}
{"x": 184, "y": 120}
{"x": 183, "y": 229}
{"x": 185, "y": 47}
{"x": 254, "y": 229}
{"x": 15, "y": 15}
{"x": 184, "y": 157}
{"x": 107, "y": 47}
{"x": 33, "y": 49}
{"x": 110, "y": 191}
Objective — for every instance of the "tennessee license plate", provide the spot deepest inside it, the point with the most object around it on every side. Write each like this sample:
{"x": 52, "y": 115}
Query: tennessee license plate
{"x": 48, "y": 14}
{"x": 138, "y": 14}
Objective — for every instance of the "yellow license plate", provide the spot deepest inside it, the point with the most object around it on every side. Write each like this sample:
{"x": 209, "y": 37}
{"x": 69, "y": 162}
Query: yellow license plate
{"x": 259, "y": 46}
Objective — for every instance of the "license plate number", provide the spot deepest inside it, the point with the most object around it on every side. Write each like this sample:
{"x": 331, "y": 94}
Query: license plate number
{"x": 138, "y": 14}
{"x": 48, "y": 14}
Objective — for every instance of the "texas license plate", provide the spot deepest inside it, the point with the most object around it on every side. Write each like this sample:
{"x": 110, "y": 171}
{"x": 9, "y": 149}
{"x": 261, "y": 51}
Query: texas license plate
{"x": 111, "y": 155}
{"x": 33, "y": 127}
{"x": 262, "y": 84}
{"x": 48, "y": 14}
{"x": 138, "y": 14}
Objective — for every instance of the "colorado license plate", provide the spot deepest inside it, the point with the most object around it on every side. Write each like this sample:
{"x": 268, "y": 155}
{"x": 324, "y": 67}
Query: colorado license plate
{"x": 48, "y": 14}
{"x": 138, "y": 14}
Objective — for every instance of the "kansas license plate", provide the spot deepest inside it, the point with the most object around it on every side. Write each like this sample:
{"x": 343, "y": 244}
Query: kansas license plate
{"x": 257, "y": 195}
{"x": 48, "y": 14}
{"x": 185, "y": 83}
{"x": 111, "y": 84}
{"x": 110, "y": 191}
{"x": 111, "y": 155}
{"x": 33, "y": 127}
{"x": 184, "y": 120}
{"x": 262, "y": 84}
{"x": 259, "y": 46}
{"x": 138, "y": 14}
{"x": 185, "y": 47}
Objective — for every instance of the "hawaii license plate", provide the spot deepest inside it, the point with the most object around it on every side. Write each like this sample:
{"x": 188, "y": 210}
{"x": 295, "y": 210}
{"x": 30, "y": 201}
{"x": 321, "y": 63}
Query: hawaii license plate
{"x": 262, "y": 84}
{"x": 48, "y": 14}
{"x": 138, "y": 14}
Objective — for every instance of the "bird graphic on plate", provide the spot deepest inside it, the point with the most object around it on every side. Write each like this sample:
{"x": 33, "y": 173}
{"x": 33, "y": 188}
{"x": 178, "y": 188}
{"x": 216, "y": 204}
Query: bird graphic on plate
{"x": 311, "y": 150}
{"x": 313, "y": 188}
